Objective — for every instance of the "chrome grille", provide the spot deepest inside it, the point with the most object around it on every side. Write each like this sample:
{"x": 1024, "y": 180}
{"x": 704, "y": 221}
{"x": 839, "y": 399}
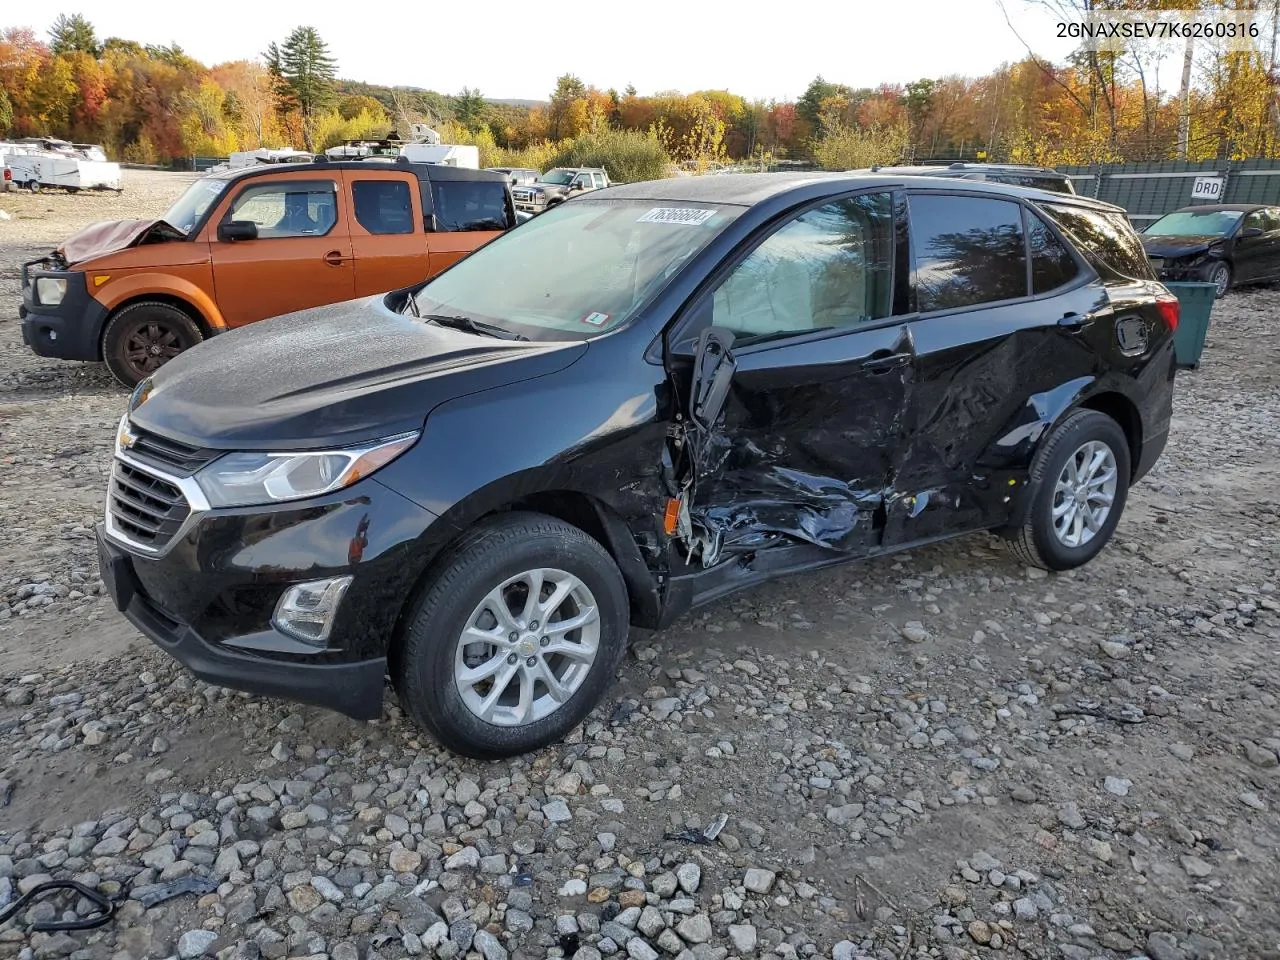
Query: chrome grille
{"x": 169, "y": 455}
{"x": 145, "y": 508}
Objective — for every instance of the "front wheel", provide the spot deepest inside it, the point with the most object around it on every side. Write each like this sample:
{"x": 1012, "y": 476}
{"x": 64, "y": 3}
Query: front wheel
{"x": 515, "y": 639}
{"x": 143, "y": 337}
{"x": 1220, "y": 277}
{"x": 1078, "y": 487}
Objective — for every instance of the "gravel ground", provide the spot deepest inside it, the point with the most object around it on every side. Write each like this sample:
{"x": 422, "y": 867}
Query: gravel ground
{"x": 941, "y": 754}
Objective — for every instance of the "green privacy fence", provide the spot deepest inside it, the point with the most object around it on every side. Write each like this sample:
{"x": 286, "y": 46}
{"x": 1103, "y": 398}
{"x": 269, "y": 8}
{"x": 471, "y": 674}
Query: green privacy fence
{"x": 1150, "y": 190}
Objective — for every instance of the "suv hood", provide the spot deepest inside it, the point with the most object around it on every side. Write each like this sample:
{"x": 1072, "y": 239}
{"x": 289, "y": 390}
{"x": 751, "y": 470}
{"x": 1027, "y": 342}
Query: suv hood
{"x": 330, "y": 376}
{"x": 99, "y": 239}
{"x": 1178, "y": 246}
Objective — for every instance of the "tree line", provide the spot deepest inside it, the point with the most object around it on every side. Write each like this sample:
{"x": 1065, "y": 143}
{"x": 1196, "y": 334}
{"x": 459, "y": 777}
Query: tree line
{"x": 156, "y": 104}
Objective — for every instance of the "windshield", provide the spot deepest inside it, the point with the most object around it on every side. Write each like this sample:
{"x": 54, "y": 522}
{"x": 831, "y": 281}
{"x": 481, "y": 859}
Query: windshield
{"x": 194, "y": 204}
{"x": 559, "y": 178}
{"x": 577, "y": 270}
{"x": 1195, "y": 223}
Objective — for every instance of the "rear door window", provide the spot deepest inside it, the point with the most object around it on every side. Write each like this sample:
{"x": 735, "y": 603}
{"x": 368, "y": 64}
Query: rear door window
{"x": 1104, "y": 237}
{"x": 383, "y": 206}
{"x": 470, "y": 205}
{"x": 966, "y": 251}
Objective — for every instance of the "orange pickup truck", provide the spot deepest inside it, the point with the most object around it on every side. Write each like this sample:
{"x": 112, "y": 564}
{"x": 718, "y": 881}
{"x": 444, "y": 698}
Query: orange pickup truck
{"x": 253, "y": 243}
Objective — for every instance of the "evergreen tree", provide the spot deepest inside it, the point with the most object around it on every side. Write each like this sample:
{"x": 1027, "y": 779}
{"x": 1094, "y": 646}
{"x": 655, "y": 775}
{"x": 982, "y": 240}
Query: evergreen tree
{"x": 71, "y": 33}
{"x": 304, "y": 75}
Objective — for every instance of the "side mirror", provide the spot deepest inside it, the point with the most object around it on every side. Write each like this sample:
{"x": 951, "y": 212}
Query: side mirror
{"x": 234, "y": 230}
{"x": 1251, "y": 232}
{"x": 431, "y": 223}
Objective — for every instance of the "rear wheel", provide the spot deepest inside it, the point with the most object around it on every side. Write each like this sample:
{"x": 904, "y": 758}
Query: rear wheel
{"x": 33, "y": 186}
{"x": 515, "y": 639}
{"x": 143, "y": 337}
{"x": 1079, "y": 484}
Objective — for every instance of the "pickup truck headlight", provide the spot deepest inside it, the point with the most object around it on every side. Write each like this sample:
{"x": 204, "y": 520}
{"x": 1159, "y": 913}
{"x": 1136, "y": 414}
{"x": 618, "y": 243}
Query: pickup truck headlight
{"x": 253, "y": 479}
{"x": 50, "y": 290}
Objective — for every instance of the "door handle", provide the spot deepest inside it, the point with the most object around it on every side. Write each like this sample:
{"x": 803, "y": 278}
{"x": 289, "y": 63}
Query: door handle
{"x": 335, "y": 258}
{"x": 882, "y": 361}
{"x": 1074, "y": 321}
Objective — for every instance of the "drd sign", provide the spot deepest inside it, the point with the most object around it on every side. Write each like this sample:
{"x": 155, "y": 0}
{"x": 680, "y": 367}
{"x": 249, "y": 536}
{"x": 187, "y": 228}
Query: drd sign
{"x": 1207, "y": 188}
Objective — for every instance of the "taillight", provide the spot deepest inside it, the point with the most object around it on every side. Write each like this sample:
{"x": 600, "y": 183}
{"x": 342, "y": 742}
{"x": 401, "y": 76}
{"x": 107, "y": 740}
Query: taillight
{"x": 1169, "y": 310}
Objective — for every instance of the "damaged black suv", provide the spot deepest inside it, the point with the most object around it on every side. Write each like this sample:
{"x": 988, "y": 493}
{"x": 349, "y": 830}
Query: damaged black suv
{"x": 634, "y": 404}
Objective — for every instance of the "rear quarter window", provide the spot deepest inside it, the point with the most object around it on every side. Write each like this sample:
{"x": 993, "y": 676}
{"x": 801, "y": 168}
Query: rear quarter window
{"x": 1105, "y": 238}
{"x": 470, "y": 205}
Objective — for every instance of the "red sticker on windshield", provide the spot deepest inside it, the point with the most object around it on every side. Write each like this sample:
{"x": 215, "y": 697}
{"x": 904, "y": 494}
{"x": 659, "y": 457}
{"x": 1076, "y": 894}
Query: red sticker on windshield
{"x": 596, "y": 319}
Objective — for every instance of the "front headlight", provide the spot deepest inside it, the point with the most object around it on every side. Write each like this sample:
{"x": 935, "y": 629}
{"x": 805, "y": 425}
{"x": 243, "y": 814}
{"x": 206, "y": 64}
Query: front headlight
{"x": 50, "y": 290}
{"x": 251, "y": 479}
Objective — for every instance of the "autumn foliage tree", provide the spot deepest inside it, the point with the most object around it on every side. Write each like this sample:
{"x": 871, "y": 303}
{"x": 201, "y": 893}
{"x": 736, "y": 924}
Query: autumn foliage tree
{"x": 156, "y": 104}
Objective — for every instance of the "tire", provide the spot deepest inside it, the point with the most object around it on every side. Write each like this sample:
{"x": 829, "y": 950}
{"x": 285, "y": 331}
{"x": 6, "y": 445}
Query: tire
{"x": 425, "y": 668}
{"x": 1039, "y": 543}
{"x": 1220, "y": 275}
{"x": 172, "y": 331}
{"x": 33, "y": 186}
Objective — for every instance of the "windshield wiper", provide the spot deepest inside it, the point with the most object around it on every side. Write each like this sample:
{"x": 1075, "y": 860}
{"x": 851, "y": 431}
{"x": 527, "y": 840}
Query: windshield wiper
{"x": 472, "y": 326}
{"x": 411, "y": 306}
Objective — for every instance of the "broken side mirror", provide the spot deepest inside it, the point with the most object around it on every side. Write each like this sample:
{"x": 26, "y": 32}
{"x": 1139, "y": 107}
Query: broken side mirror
{"x": 713, "y": 369}
{"x": 234, "y": 230}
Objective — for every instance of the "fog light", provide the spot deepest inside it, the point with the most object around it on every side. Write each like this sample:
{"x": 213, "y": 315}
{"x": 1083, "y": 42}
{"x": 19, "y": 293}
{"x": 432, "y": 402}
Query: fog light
{"x": 306, "y": 610}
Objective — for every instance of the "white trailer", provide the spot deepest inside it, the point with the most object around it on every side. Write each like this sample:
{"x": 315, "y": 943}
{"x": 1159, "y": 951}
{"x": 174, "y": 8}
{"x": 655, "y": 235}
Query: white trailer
{"x": 263, "y": 155}
{"x": 449, "y": 154}
{"x": 71, "y": 172}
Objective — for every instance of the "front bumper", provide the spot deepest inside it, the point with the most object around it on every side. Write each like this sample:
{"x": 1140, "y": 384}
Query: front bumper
{"x": 534, "y": 205}
{"x": 70, "y": 330}
{"x": 1193, "y": 270}
{"x": 208, "y": 599}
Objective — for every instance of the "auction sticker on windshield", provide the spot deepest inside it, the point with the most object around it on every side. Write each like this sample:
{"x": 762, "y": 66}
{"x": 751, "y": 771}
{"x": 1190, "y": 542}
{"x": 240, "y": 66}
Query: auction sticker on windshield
{"x": 596, "y": 319}
{"x": 689, "y": 216}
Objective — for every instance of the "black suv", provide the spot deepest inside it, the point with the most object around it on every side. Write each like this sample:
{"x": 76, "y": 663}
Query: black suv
{"x": 1038, "y": 178}
{"x": 637, "y": 403}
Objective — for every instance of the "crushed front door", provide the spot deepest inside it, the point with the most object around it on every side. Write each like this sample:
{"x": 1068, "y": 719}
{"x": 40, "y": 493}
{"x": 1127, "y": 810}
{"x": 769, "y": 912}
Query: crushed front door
{"x": 794, "y": 396}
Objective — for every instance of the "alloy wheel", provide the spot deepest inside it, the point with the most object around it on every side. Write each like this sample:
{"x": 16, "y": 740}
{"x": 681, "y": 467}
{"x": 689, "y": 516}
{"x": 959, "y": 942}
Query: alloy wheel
{"x": 1221, "y": 278}
{"x": 527, "y": 647}
{"x": 1084, "y": 493}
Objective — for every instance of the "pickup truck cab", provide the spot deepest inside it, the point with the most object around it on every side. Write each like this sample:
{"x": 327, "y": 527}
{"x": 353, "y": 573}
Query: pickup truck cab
{"x": 244, "y": 245}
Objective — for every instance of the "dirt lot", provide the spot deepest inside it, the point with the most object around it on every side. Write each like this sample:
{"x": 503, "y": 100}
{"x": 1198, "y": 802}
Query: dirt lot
{"x": 1081, "y": 766}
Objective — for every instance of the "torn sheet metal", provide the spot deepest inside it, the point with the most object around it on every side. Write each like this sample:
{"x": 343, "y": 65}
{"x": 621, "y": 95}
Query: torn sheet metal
{"x": 786, "y": 503}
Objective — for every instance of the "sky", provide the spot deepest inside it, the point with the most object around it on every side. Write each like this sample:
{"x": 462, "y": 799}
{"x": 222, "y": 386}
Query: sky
{"x": 516, "y": 50}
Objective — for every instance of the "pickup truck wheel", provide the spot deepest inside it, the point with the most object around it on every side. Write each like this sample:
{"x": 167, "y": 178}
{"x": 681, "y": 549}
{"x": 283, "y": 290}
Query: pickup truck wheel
{"x": 140, "y": 338}
{"x": 1078, "y": 487}
{"x": 33, "y": 186}
{"x": 515, "y": 637}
